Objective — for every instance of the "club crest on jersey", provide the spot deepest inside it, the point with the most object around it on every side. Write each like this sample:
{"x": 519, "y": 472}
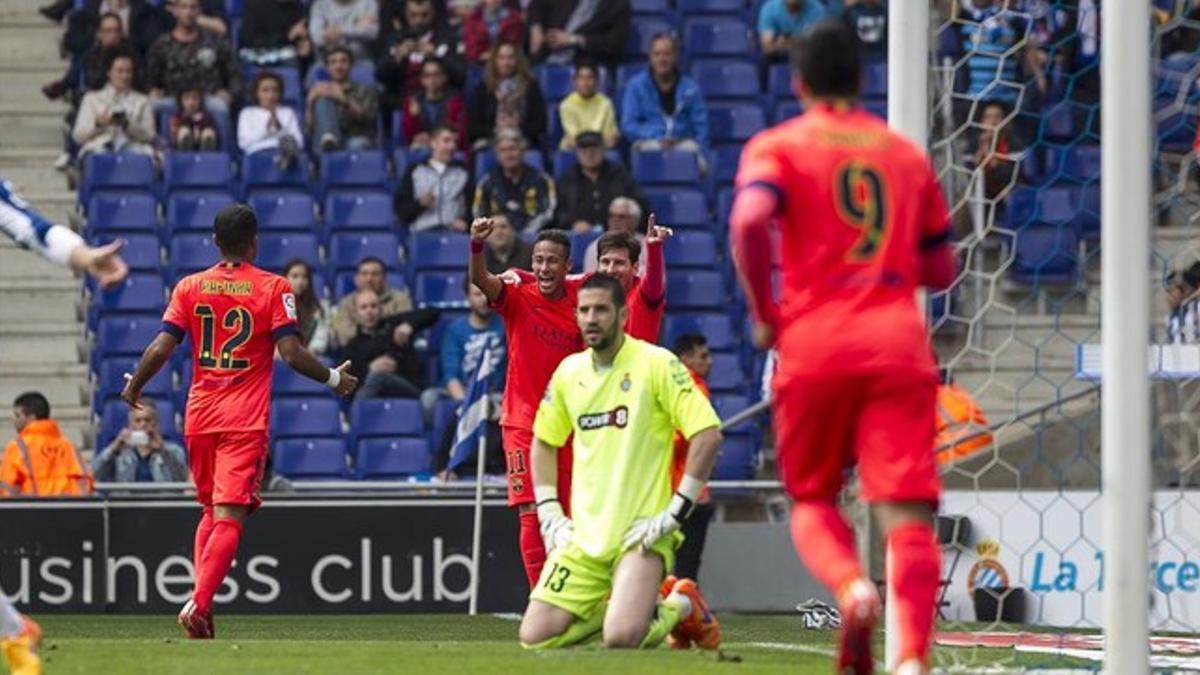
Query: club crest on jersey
{"x": 617, "y": 417}
{"x": 626, "y": 384}
{"x": 289, "y": 305}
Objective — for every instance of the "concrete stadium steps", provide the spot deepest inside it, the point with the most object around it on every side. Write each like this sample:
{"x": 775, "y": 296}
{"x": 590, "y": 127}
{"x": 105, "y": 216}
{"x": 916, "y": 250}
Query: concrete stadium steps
{"x": 29, "y": 41}
{"x": 38, "y": 123}
{"x": 23, "y": 84}
{"x": 64, "y": 384}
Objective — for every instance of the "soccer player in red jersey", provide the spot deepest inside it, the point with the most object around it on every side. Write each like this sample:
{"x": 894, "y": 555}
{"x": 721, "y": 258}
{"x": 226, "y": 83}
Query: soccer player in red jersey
{"x": 863, "y": 225}
{"x": 238, "y": 316}
{"x": 539, "y": 322}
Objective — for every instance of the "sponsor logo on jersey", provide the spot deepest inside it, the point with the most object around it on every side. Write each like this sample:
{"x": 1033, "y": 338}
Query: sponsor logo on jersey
{"x": 289, "y": 305}
{"x": 626, "y": 383}
{"x": 617, "y": 417}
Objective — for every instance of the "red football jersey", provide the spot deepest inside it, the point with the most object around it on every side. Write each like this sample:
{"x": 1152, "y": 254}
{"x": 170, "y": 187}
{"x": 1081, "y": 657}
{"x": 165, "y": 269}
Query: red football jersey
{"x": 645, "y": 318}
{"x": 858, "y": 204}
{"x": 540, "y": 333}
{"x": 234, "y": 312}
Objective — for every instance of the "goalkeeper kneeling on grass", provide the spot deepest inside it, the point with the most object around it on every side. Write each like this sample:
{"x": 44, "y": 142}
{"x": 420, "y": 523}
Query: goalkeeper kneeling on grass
{"x": 623, "y": 399}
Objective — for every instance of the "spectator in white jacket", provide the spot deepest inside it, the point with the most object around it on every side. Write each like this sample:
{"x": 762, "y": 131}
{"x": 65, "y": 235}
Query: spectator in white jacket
{"x": 117, "y": 118}
{"x": 269, "y": 125}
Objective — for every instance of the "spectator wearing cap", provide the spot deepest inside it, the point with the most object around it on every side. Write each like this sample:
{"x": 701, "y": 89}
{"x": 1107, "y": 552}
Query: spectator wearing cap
{"x": 343, "y": 113}
{"x": 662, "y": 108}
{"x": 433, "y": 193}
{"x": 561, "y": 31}
{"x": 523, "y": 193}
{"x": 352, "y": 24}
{"x": 586, "y": 189}
{"x": 509, "y": 98}
{"x": 624, "y": 215}
{"x": 588, "y": 109}
{"x": 492, "y": 22}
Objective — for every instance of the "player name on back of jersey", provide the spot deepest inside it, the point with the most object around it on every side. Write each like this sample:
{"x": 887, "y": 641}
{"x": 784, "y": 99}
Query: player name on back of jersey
{"x": 226, "y": 287}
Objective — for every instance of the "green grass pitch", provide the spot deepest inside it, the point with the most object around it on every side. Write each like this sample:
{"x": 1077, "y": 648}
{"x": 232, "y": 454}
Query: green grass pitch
{"x": 427, "y": 644}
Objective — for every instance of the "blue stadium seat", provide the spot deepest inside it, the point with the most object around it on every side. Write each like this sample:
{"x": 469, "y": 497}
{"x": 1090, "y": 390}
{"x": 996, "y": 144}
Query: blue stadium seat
{"x": 735, "y": 124}
{"x": 641, "y": 32}
{"x": 724, "y": 163}
{"x": 260, "y": 171}
{"x": 486, "y": 159}
{"x": 625, "y": 73}
{"x": 1058, "y": 206}
{"x": 197, "y": 171}
{"x": 720, "y": 37}
{"x": 114, "y": 171}
{"x": 1020, "y": 208}
{"x": 1058, "y": 122}
{"x": 125, "y": 335}
{"x": 716, "y": 327}
{"x": 439, "y": 288}
{"x": 192, "y": 253}
{"x": 874, "y": 79}
{"x": 665, "y": 167}
{"x": 652, "y": 7}
{"x": 737, "y": 459}
{"x": 382, "y": 458}
{"x": 195, "y": 210}
{"x": 305, "y": 417}
{"x": 695, "y": 289}
{"x": 556, "y": 81}
{"x": 139, "y": 293}
{"x": 1082, "y": 163}
{"x": 727, "y": 374}
{"x": 691, "y": 248}
{"x": 293, "y": 87}
{"x": 1176, "y": 127}
{"x": 565, "y": 159}
{"x": 580, "y": 241}
{"x": 679, "y": 207}
{"x": 786, "y": 110}
{"x": 439, "y": 250}
{"x": 284, "y": 210}
{"x": 346, "y": 250}
{"x": 141, "y": 251}
{"x": 114, "y": 416}
{"x": 311, "y": 459}
{"x": 692, "y": 7}
{"x": 386, "y": 417}
{"x": 1088, "y": 219}
{"x": 359, "y": 210}
{"x": 726, "y": 79}
{"x": 287, "y": 382}
{"x": 353, "y": 169}
{"x": 1045, "y": 255}
{"x": 122, "y": 212}
{"x": 111, "y": 380}
{"x": 277, "y": 250}
{"x": 779, "y": 82}
{"x": 728, "y": 405}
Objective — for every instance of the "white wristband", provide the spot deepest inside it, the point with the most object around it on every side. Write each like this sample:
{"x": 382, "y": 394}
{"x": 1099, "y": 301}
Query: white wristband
{"x": 335, "y": 378}
{"x": 544, "y": 493}
{"x": 690, "y": 487}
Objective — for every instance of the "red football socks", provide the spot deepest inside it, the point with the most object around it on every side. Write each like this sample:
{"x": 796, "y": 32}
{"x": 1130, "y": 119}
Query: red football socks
{"x": 533, "y": 551}
{"x": 915, "y": 577}
{"x": 203, "y": 530}
{"x": 214, "y": 564}
{"x": 825, "y": 543}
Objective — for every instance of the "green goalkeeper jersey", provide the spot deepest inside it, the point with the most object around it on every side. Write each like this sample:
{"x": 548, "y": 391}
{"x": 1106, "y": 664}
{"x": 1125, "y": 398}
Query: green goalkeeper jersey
{"x": 624, "y": 419}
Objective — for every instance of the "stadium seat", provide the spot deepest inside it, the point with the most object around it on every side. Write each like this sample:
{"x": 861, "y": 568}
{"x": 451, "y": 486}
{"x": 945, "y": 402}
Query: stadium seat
{"x": 737, "y": 459}
{"x": 346, "y": 250}
{"x": 1176, "y": 128}
{"x": 874, "y": 79}
{"x": 720, "y": 37}
{"x": 287, "y": 382}
{"x": 735, "y": 124}
{"x": 625, "y": 73}
{"x": 679, "y": 207}
{"x": 139, "y": 293}
{"x": 728, "y": 405}
{"x": 1047, "y": 255}
{"x": 195, "y": 210}
{"x": 716, "y": 327}
{"x": 565, "y": 159}
{"x": 786, "y": 110}
{"x": 692, "y": 7}
{"x": 293, "y": 87}
{"x": 191, "y": 253}
{"x": 486, "y": 159}
{"x": 695, "y": 289}
{"x": 114, "y": 171}
{"x": 439, "y": 250}
{"x": 727, "y": 374}
{"x": 1082, "y": 163}
{"x": 779, "y": 82}
{"x": 650, "y": 7}
{"x": 122, "y": 212}
{"x": 725, "y": 164}
{"x": 580, "y": 241}
{"x": 386, "y": 417}
{"x": 111, "y": 380}
{"x": 277, "y": 250}
{"x": 141, "y": 251}
{"x": 665, "y": 167}
{"x": 1020, "y": 208}
{"x": 353, "y": 169}
{"x": 259, "y": 170}
{"x": 288, "y": 210}
{"x": 1088, "y": 219}
{"x": 691, "y": 248}
{"x": 726, "y": 79}
{"x": 1058, "y": 122}
{"x": 383, "y": 459}
{"x": 310, "y": 459}
{"x": 556, "y": 81}
{"x": 641, "y": 32}
{"x": 305, "y": 417}
{"x": 1058, "y": 206}
{"x": 125, "y": 335}
{"x": 359, "y": 210}
{"x": 439, "y": 288}
{"x": 197, "y": 171}
{"x": 114, "y": 416}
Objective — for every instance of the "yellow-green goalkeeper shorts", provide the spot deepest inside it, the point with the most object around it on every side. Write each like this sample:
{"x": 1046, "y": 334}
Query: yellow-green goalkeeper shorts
{"x": 580, "y": 584}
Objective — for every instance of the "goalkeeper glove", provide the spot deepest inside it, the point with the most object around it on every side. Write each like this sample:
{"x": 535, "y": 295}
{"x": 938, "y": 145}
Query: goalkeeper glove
{"x": 645, "y": 532}
{"x": 557, "y": 529}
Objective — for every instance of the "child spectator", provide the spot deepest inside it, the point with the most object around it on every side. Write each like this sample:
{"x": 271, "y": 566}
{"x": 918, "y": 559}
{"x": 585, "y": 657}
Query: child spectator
{"x": 269, "y": 125}
{"x": 587, "y": 109}
{"x": 492, "y": 22}
{"x": 312, "y": 314}
{"x": 435, "y": 105}
{"x": 508, "y": 98}
{"x": 433, "y": 193}
{"x": 192, "y": 128}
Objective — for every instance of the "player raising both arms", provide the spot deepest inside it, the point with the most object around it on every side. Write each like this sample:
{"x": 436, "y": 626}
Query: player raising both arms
{"x": 238, "y": 316}
{"x": 863, "y": 224}
{"x": 539, "y": 323}
{"x": 622, "y": 399}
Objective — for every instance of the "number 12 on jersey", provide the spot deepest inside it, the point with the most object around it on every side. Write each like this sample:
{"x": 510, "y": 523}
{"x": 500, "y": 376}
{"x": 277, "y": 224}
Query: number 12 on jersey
{"x": 236, "y": 319}
{"x": 862, "y": 203}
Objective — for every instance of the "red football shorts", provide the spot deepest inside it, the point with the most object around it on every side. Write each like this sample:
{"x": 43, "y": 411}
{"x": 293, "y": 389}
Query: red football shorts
{"x": 883, "y": 424}
{"x": 517, "y": 445}
{"x": 228, "y": 467}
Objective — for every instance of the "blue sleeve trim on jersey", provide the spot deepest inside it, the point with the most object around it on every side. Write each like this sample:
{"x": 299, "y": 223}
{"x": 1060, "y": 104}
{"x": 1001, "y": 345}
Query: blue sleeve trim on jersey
{"x": 284, "y": 331}
{"x": 935, "y": 240}
{"x": 769, "y": 186}
{"x": 174, "y": 330}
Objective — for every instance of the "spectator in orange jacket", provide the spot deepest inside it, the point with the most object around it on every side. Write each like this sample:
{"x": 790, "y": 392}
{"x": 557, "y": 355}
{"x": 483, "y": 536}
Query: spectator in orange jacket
{"x": 40, "y": 461}
{"x": 962, "y": 428}
{"x": 692, "y": 350}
